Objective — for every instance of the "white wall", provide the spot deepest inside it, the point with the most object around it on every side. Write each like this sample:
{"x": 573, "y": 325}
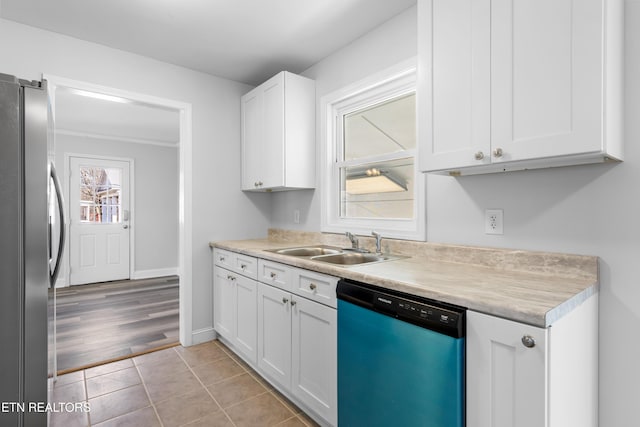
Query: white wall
{"x": 155, "y": 204}
{"x": 591, "y": 210}
{"x": 220, "y": 211}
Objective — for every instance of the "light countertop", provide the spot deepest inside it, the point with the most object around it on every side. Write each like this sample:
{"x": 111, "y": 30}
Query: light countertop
{"x": 536, "y": 288}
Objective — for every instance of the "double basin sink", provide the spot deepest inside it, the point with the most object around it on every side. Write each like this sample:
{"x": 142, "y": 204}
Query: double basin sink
{"x": 334, "y": 255}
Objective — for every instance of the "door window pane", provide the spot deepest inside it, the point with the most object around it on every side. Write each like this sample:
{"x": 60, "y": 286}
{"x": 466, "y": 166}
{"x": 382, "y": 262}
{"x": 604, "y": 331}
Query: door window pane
{"x": 100, "y": 195}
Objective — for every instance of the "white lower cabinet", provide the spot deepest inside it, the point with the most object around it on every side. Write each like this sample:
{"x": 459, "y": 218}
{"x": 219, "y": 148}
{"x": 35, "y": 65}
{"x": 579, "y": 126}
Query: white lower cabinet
{"x": 314, "y": 362}
{"x": 274, "y": 334}
{"x": 524, "y": 376}
{"x": 234, "y": 310}
{"x": 235, "y": 301}
{"x": 297, "y": 338}
{"x": 284, "y": 325}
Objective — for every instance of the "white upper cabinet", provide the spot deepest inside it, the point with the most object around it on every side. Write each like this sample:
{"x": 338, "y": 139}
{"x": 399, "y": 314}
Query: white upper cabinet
{"x": 510, "y": 85}
{"x": 278, "y": 134}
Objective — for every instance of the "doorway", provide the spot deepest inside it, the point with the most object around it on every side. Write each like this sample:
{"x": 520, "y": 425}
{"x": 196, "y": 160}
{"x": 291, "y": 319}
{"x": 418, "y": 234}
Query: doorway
{"x": 99, "y": 223}
{"x": 184, "y": 196}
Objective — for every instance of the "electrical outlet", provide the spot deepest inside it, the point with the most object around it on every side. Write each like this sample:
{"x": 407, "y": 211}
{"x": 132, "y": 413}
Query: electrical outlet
{"x": 493, "y": 221}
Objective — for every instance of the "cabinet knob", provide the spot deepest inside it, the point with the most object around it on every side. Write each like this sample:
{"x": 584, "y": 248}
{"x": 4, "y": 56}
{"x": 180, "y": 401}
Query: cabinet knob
{"x": 285, "y": 300}
{"x": 255, "y": 184}
{"x": 273, "y": 275}
{"x": 243, "y": 266}
{"x": 221, "y": 258}
{"x": 312, "y": 286}
{"x": 293, "y": 303}
{"x": 528, "y": 341}
{"x": 479, "y": 155}
{"x": 497, "y": 152}
{"x": 230, "y": 277}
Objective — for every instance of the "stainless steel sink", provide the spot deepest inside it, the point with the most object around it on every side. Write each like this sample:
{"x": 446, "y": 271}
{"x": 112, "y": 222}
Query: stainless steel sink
{"x": 334, "y": 255}
{"x": 353, "y": 258}
{"x": 308, "y": 251}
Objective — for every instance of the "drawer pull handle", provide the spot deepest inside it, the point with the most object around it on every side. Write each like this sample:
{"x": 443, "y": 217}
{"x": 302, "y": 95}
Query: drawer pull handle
{"x": 285, "y": 300}
{"x": 312, "y": 286}
{"x": 528, "y": 341}
{"x": 273, "y": 275}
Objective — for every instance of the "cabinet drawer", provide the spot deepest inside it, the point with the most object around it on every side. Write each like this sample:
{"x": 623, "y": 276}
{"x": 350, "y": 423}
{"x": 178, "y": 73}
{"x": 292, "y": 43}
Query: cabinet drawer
{"x": 275, "y": 274}
{"x": 246, "y": 265}
{"x": 315, "y": 286}
{"x": 223, "y": 258}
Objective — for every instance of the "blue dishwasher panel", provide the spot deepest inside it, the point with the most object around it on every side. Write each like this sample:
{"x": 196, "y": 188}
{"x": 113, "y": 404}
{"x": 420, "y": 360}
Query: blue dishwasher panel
{"x": 394, "y": 373}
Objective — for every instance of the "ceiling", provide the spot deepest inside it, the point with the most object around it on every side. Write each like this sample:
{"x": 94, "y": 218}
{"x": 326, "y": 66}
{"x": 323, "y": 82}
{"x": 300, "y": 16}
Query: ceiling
{"x": 242, "y": 40}
{"x": 91, "y": 115}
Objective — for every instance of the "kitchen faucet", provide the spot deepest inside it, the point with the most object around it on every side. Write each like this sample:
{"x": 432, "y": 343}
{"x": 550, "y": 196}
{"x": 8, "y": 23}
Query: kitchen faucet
{"x": 354, "y": 240}
{"x": 378, "y": 237}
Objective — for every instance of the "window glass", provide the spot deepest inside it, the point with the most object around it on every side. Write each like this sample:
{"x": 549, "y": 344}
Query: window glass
{"x": 386, "y": 127}
{"x": 100, "y": 195}
{"x": 382, "y": 188}
{"x": 378, "y": 190}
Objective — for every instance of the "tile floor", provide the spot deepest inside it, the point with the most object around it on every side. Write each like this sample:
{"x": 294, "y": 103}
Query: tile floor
{"x": 203, "y": 385}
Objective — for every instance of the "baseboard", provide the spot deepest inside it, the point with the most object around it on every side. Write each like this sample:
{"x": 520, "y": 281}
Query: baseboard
{"x": 159, "y": 272}
{"x": 61, "y": 282}
{"x": 203, "y": 335}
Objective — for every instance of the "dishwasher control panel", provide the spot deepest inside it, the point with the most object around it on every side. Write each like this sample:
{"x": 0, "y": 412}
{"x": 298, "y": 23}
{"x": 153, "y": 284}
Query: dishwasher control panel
{"x": 434, "y": 315}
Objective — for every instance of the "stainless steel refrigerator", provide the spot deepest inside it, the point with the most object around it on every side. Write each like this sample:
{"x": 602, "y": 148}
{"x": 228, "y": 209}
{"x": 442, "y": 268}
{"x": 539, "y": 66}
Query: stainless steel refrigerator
{"x": 26, "y": 246}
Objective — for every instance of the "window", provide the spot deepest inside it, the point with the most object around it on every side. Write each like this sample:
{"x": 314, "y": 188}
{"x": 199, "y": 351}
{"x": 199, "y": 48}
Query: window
{"x": 100, "y": 195}
{"x": 370, "y": 178}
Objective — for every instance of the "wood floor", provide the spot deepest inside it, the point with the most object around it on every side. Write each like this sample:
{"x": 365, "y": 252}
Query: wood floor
{"x": 107, "y": 321}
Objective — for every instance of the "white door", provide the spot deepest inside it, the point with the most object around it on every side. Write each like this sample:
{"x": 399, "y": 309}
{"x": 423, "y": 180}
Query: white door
{"x": 546, "y": 78}
{"x": 274, "y": 334}
{"x": 274, "y": 133}
{"x": 246, "y": 330}
{"x": 454, "y": 101}
{"x": 99, "y": 220}
{"x": 224, "y": 302}
{"x": 506, "y": 380}
{"x": 314, "y": 357}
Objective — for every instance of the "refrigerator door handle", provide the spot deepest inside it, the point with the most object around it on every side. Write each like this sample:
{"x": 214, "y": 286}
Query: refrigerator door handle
{"x": 58, "y": 188}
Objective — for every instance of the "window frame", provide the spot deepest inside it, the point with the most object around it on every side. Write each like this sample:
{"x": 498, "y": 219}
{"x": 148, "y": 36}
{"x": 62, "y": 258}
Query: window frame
{"x": 385, "y": 85}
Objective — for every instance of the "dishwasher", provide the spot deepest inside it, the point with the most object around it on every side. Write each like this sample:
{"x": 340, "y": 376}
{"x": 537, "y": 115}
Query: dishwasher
{"x": 400, "y": 359}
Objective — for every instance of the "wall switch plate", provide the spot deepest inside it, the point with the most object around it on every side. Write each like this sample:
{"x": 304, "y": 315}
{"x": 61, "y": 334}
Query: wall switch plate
{"x": 493, "y": 221}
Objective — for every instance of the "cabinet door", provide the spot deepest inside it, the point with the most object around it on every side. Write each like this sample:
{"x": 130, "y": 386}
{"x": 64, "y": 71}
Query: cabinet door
{"x": 224, "y": 303}
{"x": 252, "y": 139}
{"x": 272, "y": 161}
{"x": 274, "y": 334}
{"x": 506, "y": 381}
{"x": 314, "y": 357}
{"x": 454, "y": 83}
{"x": 246, "y": 320}
{"x": 546, "y": 77}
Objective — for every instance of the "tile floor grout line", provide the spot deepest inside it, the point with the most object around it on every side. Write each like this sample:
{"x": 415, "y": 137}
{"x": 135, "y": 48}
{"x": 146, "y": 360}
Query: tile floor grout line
{"x": 206, "y": 389}
{"x": 144, "y": 385}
